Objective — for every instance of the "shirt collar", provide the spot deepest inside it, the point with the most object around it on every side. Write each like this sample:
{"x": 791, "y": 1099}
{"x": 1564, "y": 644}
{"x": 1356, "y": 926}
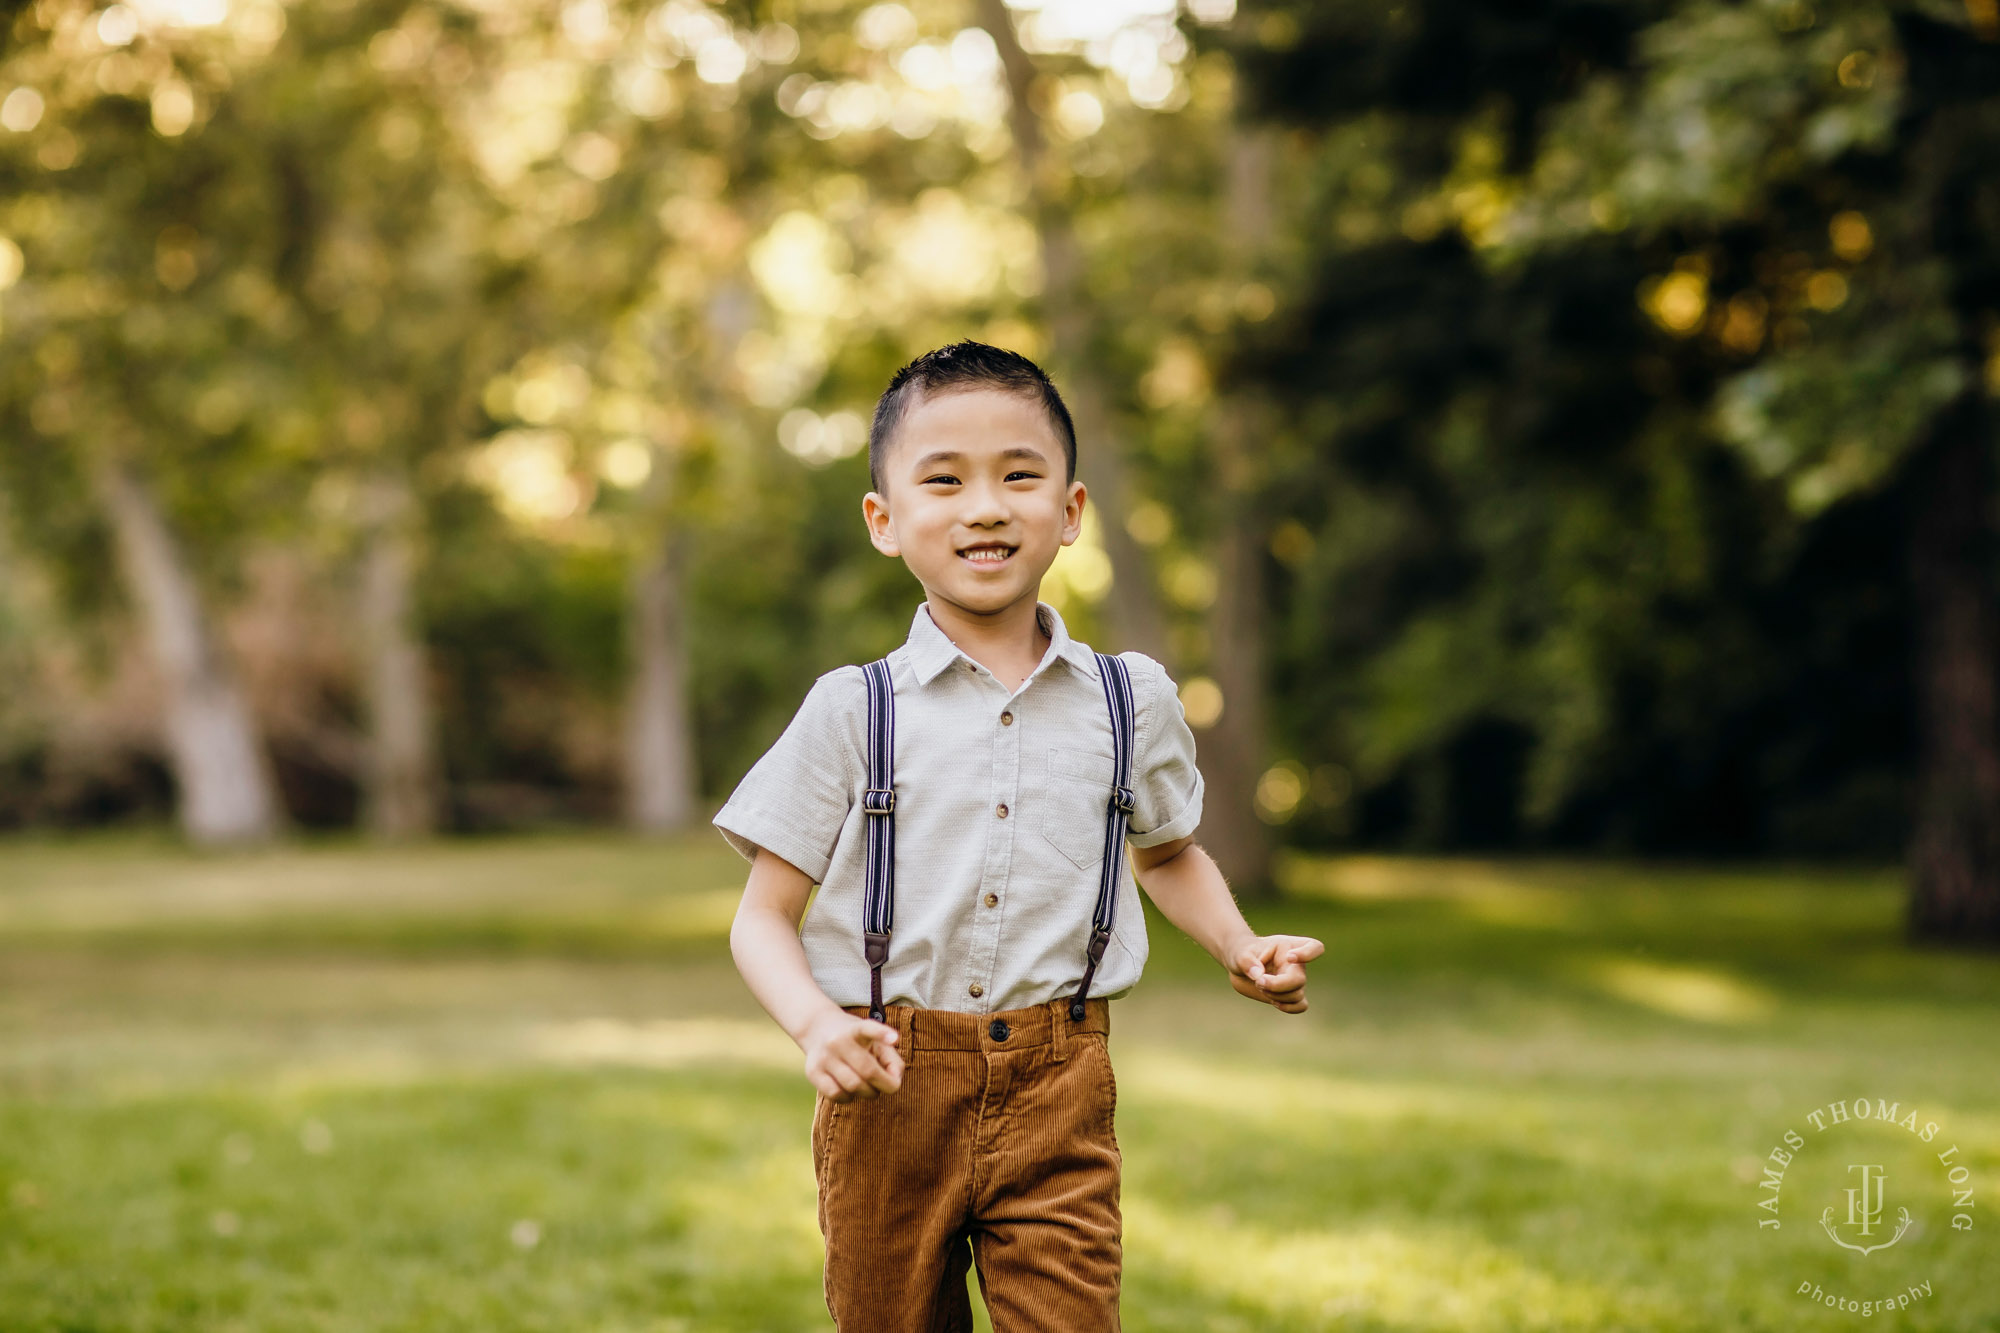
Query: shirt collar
{"x": 930, "y": 652}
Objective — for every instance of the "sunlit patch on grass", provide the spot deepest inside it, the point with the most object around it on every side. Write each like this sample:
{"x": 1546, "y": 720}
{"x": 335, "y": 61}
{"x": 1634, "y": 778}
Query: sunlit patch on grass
{"x": 1388, "y": 879}
{"x": 665, "y": 1043}
{"x": 761, "y": 1212}
{"x": 1163, "y": 1076}
{"x": 1486, "y": 892}
{"x": 1411, "y": 1277}
{"x": 350, "y": 890}
{"x": 1511, "y": 905}
{"x": 1700, "y": 994}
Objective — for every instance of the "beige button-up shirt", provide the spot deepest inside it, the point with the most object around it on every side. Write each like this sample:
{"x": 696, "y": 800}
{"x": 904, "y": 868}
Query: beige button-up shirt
{"x": 1000, "y": 804}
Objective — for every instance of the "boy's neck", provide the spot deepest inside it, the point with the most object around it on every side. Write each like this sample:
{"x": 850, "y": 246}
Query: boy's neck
{"x": 1009, "y": 642}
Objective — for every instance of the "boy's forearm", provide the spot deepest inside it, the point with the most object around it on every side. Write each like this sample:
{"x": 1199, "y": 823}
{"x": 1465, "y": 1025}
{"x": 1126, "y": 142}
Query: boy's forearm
{"x": 1190, "y": 892}
{"x": 773, "y": 963}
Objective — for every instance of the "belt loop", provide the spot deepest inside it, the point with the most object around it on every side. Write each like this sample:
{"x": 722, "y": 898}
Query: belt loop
{"x": 1058, "y": 1010}
{"x": 906, "y": 1026}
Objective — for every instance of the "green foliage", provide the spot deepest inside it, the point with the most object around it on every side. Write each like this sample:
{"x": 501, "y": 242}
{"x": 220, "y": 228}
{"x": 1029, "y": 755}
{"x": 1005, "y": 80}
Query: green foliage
{"x": 1838, "y": 416}
{"x": 1589, "y": 381}
{"x": 1593, "y": 329}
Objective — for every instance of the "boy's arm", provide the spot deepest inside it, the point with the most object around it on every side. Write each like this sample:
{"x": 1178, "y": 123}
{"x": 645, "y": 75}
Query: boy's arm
{"x": 1188, "y": 888}
{"x": 764, "y": 940}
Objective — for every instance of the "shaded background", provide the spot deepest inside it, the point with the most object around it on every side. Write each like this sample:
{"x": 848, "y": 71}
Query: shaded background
{"x": 1553, "y": 426}
{"x": 1556, "y": 437}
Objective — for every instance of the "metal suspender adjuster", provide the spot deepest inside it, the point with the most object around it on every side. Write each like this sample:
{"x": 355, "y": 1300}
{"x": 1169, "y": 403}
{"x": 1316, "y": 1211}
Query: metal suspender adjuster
{"x": 876, "y": 802}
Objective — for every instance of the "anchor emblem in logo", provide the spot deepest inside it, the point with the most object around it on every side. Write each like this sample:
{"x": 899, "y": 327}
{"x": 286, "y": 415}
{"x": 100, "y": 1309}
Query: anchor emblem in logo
{"x": 1864, "y": 1213}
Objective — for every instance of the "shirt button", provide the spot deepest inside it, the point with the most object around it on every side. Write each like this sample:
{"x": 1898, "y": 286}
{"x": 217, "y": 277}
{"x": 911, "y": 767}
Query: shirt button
{"x": 975, "y": 990}
{"x": 1002, "y": 812}
{"x": 1006, "y": 719}
{"x": 992, "y": 899}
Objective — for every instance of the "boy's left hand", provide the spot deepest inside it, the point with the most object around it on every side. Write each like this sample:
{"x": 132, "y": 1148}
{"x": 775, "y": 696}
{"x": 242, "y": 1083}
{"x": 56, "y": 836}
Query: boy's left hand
{"x": 1272, "y": 968}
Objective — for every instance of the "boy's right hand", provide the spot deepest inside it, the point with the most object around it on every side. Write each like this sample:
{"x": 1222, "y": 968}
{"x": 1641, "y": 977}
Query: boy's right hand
{"x": 848, "y": 1057}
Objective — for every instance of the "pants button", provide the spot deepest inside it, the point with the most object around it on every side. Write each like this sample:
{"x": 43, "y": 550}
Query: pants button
{"x": 999, "y": 1030}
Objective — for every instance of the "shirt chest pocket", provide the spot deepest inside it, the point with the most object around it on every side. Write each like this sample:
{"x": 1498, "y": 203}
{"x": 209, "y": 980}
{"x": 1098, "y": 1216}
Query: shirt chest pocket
{"x": 1076, "y": 793}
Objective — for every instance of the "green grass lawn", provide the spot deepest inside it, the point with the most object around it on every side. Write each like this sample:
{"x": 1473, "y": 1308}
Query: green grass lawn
{"x": 517, "y": 1084}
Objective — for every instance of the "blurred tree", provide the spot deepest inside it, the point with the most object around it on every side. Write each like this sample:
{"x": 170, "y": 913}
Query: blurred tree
{"x": 1153, "y": 216}
{"x": 395, "y": 204}
{"x": 226, "y": 790}
{"x": 1468, "y": 484}
{"x": 123, "y": 394}
{"x": 1808, "y": 237}
{"x": 1833, "y": 180}
{"x": 1134, "y": 612}
{"x": 1235, "y": 746}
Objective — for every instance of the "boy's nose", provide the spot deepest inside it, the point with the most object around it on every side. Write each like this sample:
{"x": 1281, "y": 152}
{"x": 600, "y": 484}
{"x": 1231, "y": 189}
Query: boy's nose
{"x": 985, "y": 502}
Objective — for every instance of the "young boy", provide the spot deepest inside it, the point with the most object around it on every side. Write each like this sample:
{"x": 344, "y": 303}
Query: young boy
{"x": 981, "y": 1107}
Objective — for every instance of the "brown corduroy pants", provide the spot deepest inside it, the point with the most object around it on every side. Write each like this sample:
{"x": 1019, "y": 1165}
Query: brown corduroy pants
{"x": 1001, "y": 1138}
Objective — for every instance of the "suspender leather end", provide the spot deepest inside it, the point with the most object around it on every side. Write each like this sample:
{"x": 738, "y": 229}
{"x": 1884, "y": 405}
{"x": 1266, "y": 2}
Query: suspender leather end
{"x": 878, "y": 801}
{"x": 876, "y": 944}
{"x": 1099, "y": 938}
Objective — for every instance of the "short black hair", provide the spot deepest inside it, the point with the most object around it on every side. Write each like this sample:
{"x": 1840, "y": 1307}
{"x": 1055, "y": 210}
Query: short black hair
{"x": 965, "y": 365}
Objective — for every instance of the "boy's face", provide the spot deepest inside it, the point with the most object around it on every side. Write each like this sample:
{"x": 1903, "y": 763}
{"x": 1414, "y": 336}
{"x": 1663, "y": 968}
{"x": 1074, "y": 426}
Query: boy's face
{"x": 976, "y": 504}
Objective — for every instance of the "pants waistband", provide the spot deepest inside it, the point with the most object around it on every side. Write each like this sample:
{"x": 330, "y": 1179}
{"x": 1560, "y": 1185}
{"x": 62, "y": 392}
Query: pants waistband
{"x": 1031, "y": 1025}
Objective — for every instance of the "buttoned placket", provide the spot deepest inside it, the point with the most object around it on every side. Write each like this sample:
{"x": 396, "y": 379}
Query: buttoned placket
{"x": 1004, "y": 740}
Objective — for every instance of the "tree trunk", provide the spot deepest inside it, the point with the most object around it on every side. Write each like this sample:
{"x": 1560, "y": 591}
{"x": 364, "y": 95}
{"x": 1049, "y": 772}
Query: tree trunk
{"x": 660, "y": 781}
{"x": 225, "y": 790}
{"x": 1955, "y": 850}
{"x": 1232, "y": 751}
{"x": 402, "y": 769}
{"x": 1133, "y": 613}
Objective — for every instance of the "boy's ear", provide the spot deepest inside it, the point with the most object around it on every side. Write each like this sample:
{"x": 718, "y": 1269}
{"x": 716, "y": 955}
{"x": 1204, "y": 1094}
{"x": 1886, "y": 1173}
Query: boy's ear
{"x": 1073, "y": 513}
{"x": 875, "y": 512}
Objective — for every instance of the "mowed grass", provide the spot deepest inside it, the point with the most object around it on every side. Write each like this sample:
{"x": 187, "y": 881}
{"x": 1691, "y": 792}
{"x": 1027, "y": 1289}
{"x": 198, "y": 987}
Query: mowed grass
{"x": 517, "y": 1084}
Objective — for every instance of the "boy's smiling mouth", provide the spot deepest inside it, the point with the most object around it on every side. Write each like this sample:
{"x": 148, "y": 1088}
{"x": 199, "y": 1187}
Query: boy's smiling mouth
{"x": 988, "y": 554}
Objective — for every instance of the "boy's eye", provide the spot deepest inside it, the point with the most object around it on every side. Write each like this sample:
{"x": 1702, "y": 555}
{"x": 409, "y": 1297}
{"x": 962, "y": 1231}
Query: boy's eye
{"x": 944, "y": 478}
{"x": 1031, "y": 476}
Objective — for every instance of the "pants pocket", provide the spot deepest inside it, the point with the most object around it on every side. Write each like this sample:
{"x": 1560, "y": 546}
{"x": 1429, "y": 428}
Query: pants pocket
{"x": 825, "y": 1112}
{"x": 1104, "y": 1086}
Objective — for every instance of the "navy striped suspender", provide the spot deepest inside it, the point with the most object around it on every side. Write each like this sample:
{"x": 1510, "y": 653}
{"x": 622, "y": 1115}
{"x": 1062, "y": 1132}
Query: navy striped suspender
{"x": 878, "y": 803}
{"x": 1117, "y": 813}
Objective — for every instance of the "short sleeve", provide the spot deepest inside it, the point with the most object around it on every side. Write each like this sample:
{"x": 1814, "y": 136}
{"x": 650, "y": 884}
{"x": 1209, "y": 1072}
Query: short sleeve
{"x": 1166, "y": 785}
{"x": 795, "y": 799}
